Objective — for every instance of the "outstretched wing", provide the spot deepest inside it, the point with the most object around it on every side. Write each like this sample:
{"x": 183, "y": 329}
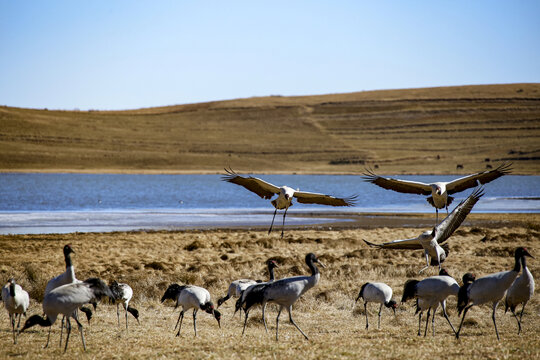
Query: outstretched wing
{"x": 398, "y": 244}
{"x": 321, "y": 199}
{"x": 402, "y": 186}
{"x": 260, "y": 187}
{"x": 484, "y": 177}
{"x": 450, "y": 224}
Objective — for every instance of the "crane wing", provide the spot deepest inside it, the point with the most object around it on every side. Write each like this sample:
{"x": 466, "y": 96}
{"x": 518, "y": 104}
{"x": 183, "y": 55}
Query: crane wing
{"x": 260, "y": 187}
{"x": 314, "y": 198}
{"x": 403, "y": 186}
{"x": 450, "y": 224}
{"x": 484, "y": 177}
{"x": 398, "y": 244}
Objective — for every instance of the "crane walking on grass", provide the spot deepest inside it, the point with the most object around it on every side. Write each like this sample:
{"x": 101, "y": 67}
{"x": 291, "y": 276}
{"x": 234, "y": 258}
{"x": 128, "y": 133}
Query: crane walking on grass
{"x": 520, "y": 292}
{"x": 67, "y": 277}
{"x": 490, "y": 288}
{"x": 285, "y": 194}
{"x": 439, "y": 191}
{"x": 237, "y": 288}
{"x": 122, "y": 294}
{"x": 430, "y": 240}
{"x": 65, "y": 300}
{"x": 378, "y": 293}
{"x": 284, "y": 292}
{"x": 191, "y": 297}
{"x": 429, "y": 293}
{"x": 16, "y": 302}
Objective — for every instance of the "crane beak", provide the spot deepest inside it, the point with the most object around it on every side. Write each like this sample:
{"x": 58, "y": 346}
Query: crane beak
{"x": 320, "y": 263}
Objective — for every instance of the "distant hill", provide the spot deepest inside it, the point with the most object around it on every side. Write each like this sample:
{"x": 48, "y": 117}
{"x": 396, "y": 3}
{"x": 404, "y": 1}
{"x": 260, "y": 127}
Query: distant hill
{"x": 446, "y": 130}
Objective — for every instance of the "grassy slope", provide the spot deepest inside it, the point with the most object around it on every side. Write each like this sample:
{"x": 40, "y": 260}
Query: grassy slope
{"x": 151, "y": 261}
{"x": 402, "y": 131}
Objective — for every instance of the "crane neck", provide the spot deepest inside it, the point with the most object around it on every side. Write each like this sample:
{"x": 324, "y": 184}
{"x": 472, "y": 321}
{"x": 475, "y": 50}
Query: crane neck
{"x": 312, "y": 267}
{"x": 518, "y": 260}
{"x": 523, "y": 263}
{"x": 67, "y": 258}
{"x": 271, "y": 271}
{"x": 12, "y": 289}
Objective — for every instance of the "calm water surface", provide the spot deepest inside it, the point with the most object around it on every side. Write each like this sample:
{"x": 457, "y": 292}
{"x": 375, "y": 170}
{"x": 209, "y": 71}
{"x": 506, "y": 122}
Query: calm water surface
{"x": 46, "y": 203}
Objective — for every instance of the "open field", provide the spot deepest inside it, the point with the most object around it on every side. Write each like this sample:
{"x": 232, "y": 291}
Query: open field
{"x": 413, "y": 131}
{"x": 151, "y": 261}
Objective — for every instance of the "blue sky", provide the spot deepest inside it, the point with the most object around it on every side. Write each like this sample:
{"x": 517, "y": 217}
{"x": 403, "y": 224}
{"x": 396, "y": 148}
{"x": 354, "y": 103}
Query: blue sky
{"x": 133, "y": 54}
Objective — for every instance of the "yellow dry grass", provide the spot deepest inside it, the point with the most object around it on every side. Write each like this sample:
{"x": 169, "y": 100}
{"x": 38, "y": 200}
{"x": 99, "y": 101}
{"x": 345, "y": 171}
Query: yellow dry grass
{"x": 412, "y": 131}
{"x": 150, "y": 261}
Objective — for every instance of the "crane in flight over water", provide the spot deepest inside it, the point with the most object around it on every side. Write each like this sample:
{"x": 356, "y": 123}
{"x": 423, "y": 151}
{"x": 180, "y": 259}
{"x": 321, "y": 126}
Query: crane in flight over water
{"x": 439, "y": 191}
{"x": 285, "y": 194}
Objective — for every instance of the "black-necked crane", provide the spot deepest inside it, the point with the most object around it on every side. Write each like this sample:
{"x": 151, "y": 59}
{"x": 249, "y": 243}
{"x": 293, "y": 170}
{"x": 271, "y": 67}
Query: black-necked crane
{"x": 65, "y": 300}
{"x": 285, "y": 292}
{"x": 16, "y": 302}
{"x": 237, "y": 287}
{"x": 379, "y": 293}
{"x": 520, "y": 292}
{"x": 67, "y": 277}
{"x": 490, "y": 288}
{"x": 285, "y": 194}
{"x": 429, "y": 293}
{"x": 431, "y": 241}
{"x": 439, "y": 191}
{"x": 191, "y": 297}
{"x": 241, "y": 302}
{"x": 122, "y": 294}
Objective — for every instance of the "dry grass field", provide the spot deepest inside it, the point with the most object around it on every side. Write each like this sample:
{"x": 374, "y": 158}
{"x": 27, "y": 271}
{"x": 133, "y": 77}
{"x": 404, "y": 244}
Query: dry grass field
{"x": 413, "y": 131}
{"x": 150, "y": 261}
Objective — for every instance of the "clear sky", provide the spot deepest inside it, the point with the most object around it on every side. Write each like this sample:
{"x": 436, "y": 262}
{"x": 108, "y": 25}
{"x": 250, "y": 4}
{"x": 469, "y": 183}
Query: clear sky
{"x": 130, "y": 54}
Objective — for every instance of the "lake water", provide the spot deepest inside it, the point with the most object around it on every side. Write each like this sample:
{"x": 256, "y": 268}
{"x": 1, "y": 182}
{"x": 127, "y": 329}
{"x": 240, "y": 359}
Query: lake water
{"x": 59, "y": 203}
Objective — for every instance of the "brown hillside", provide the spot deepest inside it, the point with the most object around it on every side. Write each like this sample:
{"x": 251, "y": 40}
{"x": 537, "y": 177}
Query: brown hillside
{"x": 429, "y": 130}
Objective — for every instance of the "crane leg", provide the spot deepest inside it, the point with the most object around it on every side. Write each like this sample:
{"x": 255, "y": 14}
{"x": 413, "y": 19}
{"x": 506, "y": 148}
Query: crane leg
{"x": 68, "y": 332}
{"x": 419, "y": 322}
{"x": 277, "y": 321}
{"x": 380, "y": 309}
{"x": 264, "y": 317}
{"x": 520, "y": 316}
{"x": 494, "y": 322}
{"x": 365, "y": 311}
{"x": 272, "y": 224}
{"x": 195, "y": 321}
{"x": 12, "y": 318}
{"x": 463, "y": 318}
{"x": 283, "y": 226}
{"x": 62, "y": 330}
{"x": 427, "y": 321}
{"x": 118, "y": 313}
{"x": 79, "y": 325}
{"x": 180, "y": 319}
{"x": 427, "y": 262}
{"x": 446, "y": 317}
{"x": 125, "y": 310}
{"x": 245, "y": 322}
{"x": 292, "y": 322}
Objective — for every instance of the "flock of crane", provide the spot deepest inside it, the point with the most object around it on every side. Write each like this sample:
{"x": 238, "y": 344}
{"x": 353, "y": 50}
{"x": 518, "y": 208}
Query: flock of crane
{"x": 65, "y": 295}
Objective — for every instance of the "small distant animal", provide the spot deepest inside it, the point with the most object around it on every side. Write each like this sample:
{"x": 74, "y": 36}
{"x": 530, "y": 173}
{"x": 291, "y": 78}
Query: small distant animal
{"x": 459, "y": 166}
